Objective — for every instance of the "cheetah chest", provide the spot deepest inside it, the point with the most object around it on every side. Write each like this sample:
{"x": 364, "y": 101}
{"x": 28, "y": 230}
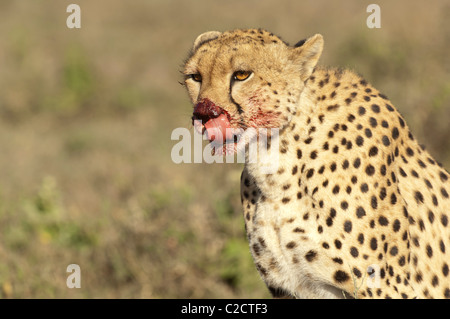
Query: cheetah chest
{"x": 279, "y": 228}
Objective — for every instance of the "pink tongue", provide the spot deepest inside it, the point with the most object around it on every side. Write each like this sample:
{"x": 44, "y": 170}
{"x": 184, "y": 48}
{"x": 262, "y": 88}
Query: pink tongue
{"x": 216, "y": 129}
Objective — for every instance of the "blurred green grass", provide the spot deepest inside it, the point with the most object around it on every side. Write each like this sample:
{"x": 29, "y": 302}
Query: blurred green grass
{"x": 85, "y": 123}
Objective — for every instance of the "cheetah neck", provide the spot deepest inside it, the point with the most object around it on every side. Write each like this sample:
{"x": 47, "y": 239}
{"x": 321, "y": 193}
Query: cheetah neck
{"x": 274, "y": 168}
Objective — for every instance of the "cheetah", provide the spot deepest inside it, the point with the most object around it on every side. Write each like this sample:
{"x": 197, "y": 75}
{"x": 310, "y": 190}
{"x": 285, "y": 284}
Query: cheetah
{"x": 357, "y": 208}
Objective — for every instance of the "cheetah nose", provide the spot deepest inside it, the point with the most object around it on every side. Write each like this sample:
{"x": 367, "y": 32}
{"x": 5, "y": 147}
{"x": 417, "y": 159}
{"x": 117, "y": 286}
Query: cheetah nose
{"x": 206, "y": 110}
{"x": 214, "y": 121}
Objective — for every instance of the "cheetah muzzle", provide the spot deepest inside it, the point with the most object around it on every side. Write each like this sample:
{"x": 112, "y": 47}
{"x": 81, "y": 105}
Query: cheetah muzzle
{"x": 356, "y": 208}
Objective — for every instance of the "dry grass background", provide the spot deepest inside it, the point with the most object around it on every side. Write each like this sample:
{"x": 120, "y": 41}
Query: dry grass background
{"x": 85, "y": 123}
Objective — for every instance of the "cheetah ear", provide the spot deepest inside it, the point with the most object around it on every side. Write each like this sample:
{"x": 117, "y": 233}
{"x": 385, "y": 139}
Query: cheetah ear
{"x": 307, "y": 54}
{"x": 205, "y": 37}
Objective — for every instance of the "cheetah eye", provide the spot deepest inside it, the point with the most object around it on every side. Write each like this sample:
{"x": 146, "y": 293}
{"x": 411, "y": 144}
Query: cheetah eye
{"x": 241, "y": 75}
{"x": 196, "y": 77}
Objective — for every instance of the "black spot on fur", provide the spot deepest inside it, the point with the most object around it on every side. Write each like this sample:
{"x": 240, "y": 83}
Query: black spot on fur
{"x": 311, "y": 255}
{"x": 418, "y": 197}
{"x": 395, "y": 133}
{"x": 341, "y": 276}
{"x": 360, "y": 212}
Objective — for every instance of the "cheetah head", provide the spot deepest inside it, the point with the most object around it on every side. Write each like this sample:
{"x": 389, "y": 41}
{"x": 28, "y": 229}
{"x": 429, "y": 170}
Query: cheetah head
{"x": 245, "y": 79}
